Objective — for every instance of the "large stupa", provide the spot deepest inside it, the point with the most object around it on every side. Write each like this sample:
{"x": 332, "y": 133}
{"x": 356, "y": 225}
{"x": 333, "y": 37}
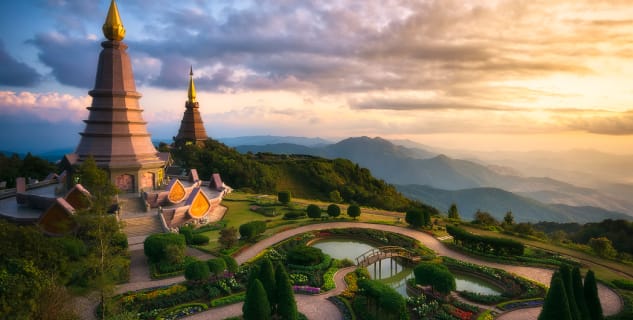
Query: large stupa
{"x": 116, "y": 135}
{"x": 191, "y": 127}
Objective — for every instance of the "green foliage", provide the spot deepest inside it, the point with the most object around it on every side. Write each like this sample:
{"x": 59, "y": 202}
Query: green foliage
{"x": 187, "y": 232}
{"x": 383, "y": 302}
{"x": 579, "y": 294}
{"x": 182, "y": 310}
{"x": 417, "y": 217}
{"x": 498, "y": 246}
{"x": 256, "y": 305}
{"x": 292, "y": 215}
{"x": 251, "y": 230}
{"x": 284, "y": 296}
{"x": 12, "y": 167}
{"x": 199, "y": 239}
{"x": 453, "y": 213}
{"x": 353, "y": 211}
{"x": 156, "y": 244}
{"x": 284, "y": 197}
{"x": 335, "y": 196}
{"x": 435, "y": 275}
{"x": 313, "y": 211}
{"x": 267, "y": 277}
{"x": 197, "y": 271}
{"x": 333, "y": 210}
{"x": 591, "y": 297}
{"x": 216, "y": 266}
{"x": 231, "y": 264}
{"x": 603, "y": 247}
{"x": 228, "y": 237}
{"x": 305, "y": 255}
{"x": 508, "y": 219}
{"x": 618, "y": 231}
{"x": 623, "y": 284}
{"x": 556, "y": 304}
{"x": 234, "y": 298}
{"x": 485, "y": 219}
{"x": 174, "y": 254}
{"x": 565, "y": 274}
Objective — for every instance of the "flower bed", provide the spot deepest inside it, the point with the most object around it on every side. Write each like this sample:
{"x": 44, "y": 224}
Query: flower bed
{"x": 488, "y": 299}
{"x": 328, "y": 279}
{"x": 520, "y": 304}
{"x": 306, "y": 289}
{"x": 181, "y": 311}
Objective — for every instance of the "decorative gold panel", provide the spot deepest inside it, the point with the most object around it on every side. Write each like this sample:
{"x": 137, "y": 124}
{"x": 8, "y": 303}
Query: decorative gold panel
{"x": 176, "y": 192}
{"x": 199, "y": 206}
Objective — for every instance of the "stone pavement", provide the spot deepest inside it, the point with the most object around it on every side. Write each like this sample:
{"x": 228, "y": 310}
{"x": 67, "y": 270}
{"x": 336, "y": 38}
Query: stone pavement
{"x": 611, "y": 302}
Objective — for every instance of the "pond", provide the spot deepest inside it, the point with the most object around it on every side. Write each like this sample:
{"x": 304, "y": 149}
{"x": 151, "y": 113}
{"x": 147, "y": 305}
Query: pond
{"x": 390, "y": 271}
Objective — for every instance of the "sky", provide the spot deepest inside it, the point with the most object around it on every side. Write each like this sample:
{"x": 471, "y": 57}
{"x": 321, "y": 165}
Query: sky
{"x": 475, "y": 75}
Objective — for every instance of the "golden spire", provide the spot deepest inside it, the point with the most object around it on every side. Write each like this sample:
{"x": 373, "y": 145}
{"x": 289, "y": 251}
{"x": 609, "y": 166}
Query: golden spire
{"x": 113, "y": 27}
{"x": 192, "y": 88}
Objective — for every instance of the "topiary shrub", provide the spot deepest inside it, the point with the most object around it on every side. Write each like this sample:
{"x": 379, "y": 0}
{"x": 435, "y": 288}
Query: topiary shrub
{"x": 333, "y": 210}
{"x": 199, "y": 239}
{"x": 294, "y": 215}
{"x": 251, "y": 230}
{"x": 187, "y": 232}
{"x": 231, "y": 264}
{"x": 284, "y": 197}
{"x": 196, "y": 271}
{"x": 216, "y": 266}
{"x": 156, "y": 244}
{"x": 305, "y": 256}
{"x": 353, "y": 211}
{"x": 313, "y": 211}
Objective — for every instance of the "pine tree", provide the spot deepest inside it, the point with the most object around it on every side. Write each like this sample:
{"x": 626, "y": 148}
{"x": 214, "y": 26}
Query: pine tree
{"x": 555, "y": 305}
{"x": 286, "y": 304}
{"x": 267, "y": 278}
{"x": 256, "y": 305}
{"x": 453, "y": 213}
{"x": 591, "y": 297}
{"x": 579, "y": 293}
{"x": 565, "y": 273}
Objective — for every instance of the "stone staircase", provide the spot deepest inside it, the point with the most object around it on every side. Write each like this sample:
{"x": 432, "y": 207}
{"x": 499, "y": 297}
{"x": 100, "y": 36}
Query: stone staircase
{"x": 138, "y": 223}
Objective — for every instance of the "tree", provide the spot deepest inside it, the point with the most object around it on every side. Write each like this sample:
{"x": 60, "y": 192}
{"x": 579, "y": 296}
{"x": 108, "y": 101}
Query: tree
{"x": 591, "y": 297}
{"x": 251, "y": 230}
{"x": 333, "y": 210}
{"x": 155, "y": 245}
{"x": 231, "y": 264}
{"x": 435, "y": 275}
{"x": 335, "y": 196}
{"x": 603, "y": 247}
{"x": 556, "y": 305}
{"x": 216, "y": 266}
{"x": 304, "y": 255}
{"x": 414, "y": 217}
{"x": 508, "y": 219}
{"x": 256, "y": 305}
{"x": 228, "y": 237}
{"x": 453, "y": 213}
{"x": 267, "y": 278}
{"x": 174, "y": 254}
{"x": 484, "y": 218}
{"x": 284, "y": 197}
{"x": 197, "y": 271}
{"x": 565, "y": 273}
{"x": 579, "y": 293}
{"x": 353, "y": 211}
{"x": 285, "y": 298}
{"x": 314, "y": 211}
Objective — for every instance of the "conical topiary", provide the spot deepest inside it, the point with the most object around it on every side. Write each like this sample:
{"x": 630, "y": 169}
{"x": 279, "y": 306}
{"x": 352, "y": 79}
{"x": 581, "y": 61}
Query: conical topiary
{"x": 256, "y": 306}
{"x": 286, "y": 304}
{"x": 565, "y": 273}
{"x": 579, "y": 293}
{"x": 555, "y": 306}
{"x": 592, "y": 298}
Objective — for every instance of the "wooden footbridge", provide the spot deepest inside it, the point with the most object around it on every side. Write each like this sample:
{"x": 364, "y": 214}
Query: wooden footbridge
{"x": 380, "y": 253}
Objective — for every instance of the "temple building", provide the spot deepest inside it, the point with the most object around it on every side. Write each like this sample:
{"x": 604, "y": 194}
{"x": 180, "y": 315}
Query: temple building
{"x": 116, "y": 134}
{"x": 191, "y": 127}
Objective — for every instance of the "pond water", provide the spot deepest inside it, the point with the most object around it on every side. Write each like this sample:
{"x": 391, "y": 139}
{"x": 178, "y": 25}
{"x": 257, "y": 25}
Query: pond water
{"x": 390, "y": 271}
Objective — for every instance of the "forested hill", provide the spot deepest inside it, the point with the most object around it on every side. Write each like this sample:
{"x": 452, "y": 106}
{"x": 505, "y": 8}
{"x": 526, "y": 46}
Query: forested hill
{"x": 305, "y": 176}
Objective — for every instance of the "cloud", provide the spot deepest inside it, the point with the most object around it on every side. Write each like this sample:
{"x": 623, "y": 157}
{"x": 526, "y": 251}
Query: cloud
{"x": 73, "y": 60}
{"x": 52, "y": 107}
{"x": 16, "y": 73}
{"x": 619, "y": 124}
{"x": 418, "y": 104}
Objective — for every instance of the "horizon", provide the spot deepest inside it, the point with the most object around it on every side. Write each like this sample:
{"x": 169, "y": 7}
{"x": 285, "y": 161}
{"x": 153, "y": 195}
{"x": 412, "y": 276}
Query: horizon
{"x": 452, "y": 75}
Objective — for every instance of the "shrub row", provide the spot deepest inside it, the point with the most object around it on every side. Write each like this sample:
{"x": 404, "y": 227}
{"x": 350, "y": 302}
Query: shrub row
{"x": 498, "y": 246}
{"x": 234, "y": 298}
{"x": 182, "y": 310}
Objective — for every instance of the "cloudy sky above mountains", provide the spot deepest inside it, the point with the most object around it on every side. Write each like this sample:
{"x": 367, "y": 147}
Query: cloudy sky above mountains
{"x": 475, "y": 75}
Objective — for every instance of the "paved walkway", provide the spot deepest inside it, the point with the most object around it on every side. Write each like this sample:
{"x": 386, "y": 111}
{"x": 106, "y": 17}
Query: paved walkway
{"x": 611, "y": 302}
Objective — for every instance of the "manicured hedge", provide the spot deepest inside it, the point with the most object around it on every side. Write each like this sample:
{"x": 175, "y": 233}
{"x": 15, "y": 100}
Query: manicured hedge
{"x": 251, "y": 230}
{"x": 498, "y": 246}
{"x": 199, "y": 239}
{"x": 154, "y": 246}
{"x": 234, "y": 298}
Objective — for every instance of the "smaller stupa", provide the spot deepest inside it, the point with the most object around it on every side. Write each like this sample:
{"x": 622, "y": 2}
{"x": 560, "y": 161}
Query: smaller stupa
{"x": 191, "y": 127}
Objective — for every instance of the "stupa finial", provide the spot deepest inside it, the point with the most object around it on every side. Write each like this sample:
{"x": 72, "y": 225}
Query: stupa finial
{"x": 113, "y": 27}
{"x": 192, "y": 88}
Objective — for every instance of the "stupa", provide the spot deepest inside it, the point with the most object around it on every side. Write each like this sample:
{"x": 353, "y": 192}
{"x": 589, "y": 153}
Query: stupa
{"x": 191, "y": 127}
{"x": 116, "y": 135}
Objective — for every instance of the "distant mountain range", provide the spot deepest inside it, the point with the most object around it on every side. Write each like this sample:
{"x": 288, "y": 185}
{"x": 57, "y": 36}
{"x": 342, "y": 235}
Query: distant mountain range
{"x": 497, "y": 202}
{"x": 405, "y": 166}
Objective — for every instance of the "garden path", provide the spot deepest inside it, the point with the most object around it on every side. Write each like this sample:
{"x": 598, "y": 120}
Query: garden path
{"x": 611, "y": 302}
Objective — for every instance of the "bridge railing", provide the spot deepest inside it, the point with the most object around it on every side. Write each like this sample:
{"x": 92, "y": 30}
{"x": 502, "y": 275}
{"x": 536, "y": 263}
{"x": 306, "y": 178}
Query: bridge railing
{"x": 386, "y": 252}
